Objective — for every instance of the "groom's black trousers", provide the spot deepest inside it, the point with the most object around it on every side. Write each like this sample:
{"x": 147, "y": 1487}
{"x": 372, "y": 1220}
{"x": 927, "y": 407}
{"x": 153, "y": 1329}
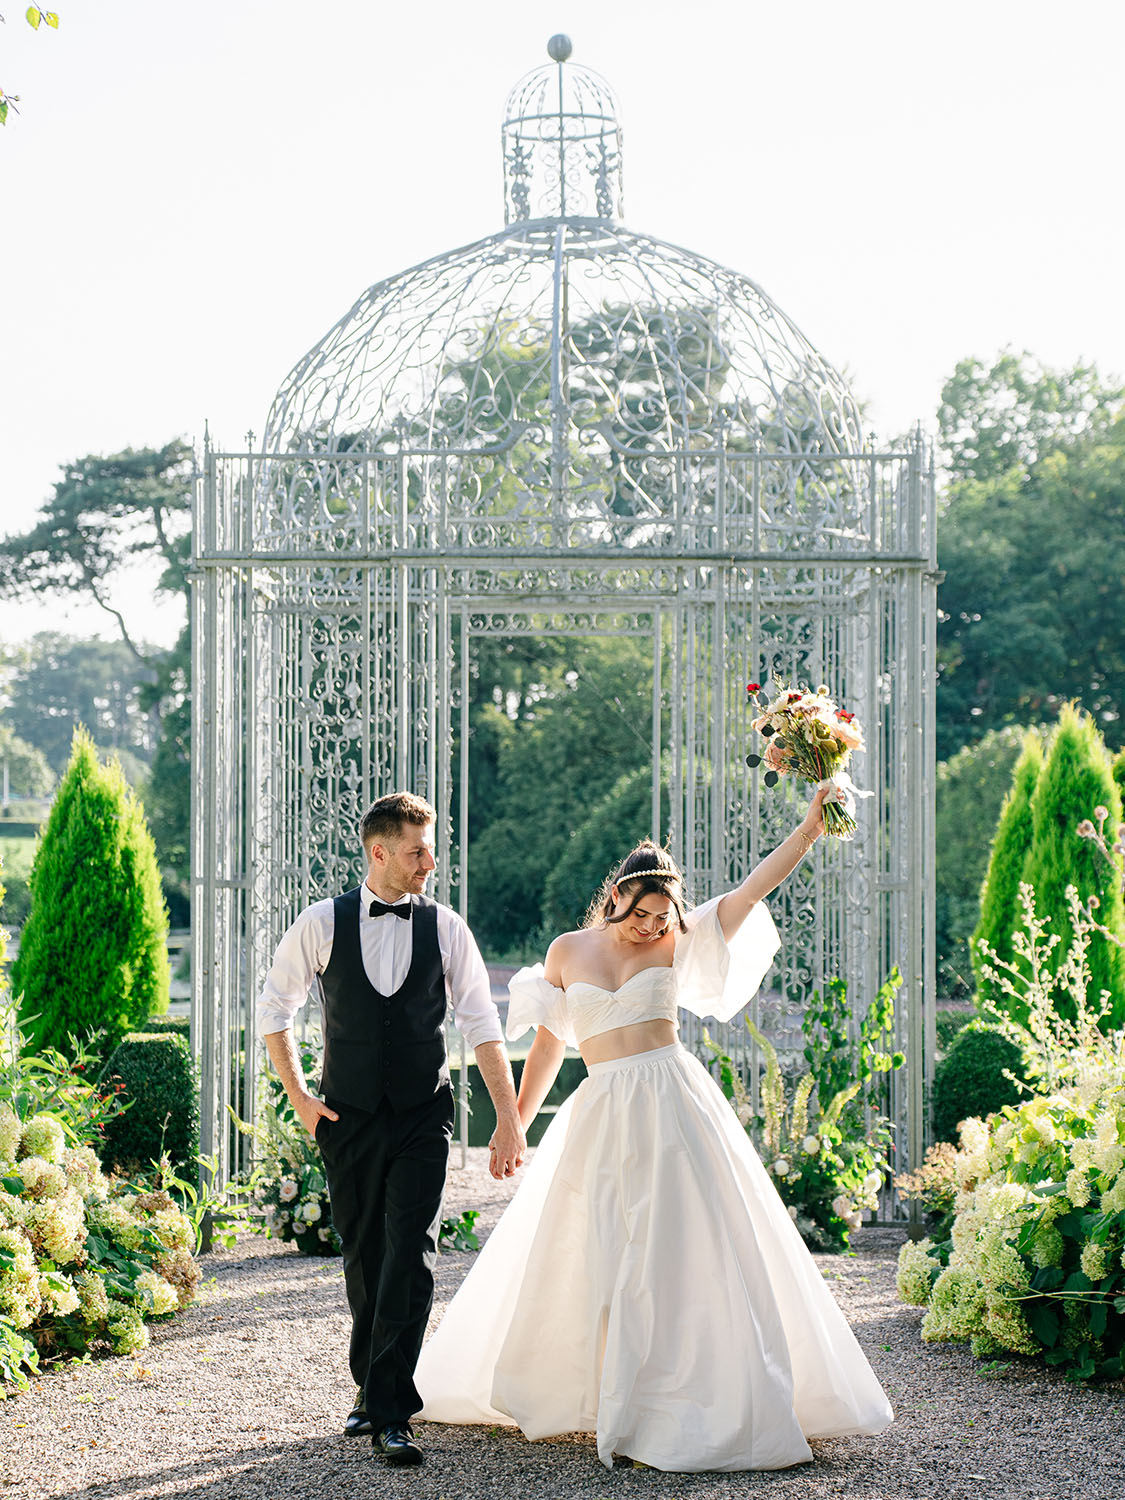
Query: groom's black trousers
{"x": 386, "y": 1175}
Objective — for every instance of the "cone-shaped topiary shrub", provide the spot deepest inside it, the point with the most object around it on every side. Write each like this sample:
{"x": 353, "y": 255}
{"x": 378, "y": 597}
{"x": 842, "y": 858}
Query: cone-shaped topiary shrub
{"x": 999, "y": 906}
{"x": 1119, "y": 774}
{"x": 969, "y": 1082}
{"x": 1075, "y": 779}
{"x": 92, "y": 952}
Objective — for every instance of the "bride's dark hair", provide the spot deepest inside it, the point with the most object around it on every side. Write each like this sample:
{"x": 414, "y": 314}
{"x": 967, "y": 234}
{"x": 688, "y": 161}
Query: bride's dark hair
{"x": 658, "y": 875}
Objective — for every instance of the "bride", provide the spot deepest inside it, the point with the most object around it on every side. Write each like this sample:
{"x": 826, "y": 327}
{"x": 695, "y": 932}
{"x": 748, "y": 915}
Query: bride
{"x": 646, "y": 1283}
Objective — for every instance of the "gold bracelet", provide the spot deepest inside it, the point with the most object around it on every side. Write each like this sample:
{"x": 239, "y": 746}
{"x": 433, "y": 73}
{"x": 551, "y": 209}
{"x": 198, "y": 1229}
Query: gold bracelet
{"x": 801, "y": 834}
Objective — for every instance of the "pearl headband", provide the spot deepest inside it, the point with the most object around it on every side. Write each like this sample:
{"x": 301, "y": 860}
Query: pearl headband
{"x": 641, "y": 874}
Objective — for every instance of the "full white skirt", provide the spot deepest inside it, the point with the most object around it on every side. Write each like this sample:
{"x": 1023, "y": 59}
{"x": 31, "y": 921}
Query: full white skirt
{"x": 646, "y": 1284}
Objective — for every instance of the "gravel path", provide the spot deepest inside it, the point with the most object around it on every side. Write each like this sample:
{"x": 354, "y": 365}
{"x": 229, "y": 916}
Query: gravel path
{"x": 244, "y": 1396}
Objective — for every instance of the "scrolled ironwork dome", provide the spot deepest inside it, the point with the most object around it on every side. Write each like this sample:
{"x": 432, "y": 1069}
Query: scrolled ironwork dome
{"x": 565, "y": 331}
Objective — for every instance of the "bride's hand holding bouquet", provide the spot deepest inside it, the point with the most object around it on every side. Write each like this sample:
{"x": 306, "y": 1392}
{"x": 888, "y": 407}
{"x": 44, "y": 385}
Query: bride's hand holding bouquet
{"x": 809, "y": 736}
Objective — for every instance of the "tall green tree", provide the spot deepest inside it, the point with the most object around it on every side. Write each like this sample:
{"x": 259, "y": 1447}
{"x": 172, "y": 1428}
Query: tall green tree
{"x": 1029, "y": 542}
{"x": 58, "y": 682}
{"x": 589, "y": 724}
{"x": 29, "y": 775}
{"x": 999, "y": 897}
{"x": 106, "y": 515}
{"x": 970, "y": 790}
{"x": 613, "y": 826}
{"x": 93, "y": 955}
{"x": 1010, "y": 414}
{"x": 1077, "y": 777}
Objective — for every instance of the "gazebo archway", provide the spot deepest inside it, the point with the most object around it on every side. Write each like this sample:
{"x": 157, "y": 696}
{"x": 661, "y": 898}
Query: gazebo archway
{"x": 567, "y": 426}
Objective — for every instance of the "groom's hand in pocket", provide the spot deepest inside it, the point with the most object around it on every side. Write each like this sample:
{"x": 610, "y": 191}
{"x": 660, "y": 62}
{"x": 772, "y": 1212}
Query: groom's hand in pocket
{"x": 283, "y": 1055}
{"x": 311, "y": 1110}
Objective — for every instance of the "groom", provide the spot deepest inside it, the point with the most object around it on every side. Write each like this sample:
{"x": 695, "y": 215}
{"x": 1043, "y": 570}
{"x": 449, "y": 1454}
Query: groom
{"x": 385, "y": 958}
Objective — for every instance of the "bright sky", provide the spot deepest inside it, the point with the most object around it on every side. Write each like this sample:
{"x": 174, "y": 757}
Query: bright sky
{"x": 194, "y": 191}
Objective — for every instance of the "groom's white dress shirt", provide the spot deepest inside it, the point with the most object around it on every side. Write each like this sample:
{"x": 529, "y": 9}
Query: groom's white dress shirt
{"x": 386, "y": 945}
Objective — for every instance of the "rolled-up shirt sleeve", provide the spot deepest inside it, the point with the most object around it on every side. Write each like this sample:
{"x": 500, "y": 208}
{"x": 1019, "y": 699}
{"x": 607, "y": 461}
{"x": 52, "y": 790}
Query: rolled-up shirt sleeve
{"x": 467, "y": 982}
{"x": 302, "y": 954}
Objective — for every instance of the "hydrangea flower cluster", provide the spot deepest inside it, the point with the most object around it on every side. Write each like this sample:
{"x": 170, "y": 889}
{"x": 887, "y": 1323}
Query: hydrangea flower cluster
{"x": 1035, "y": 1261}
{"x": 84, "y": 1261}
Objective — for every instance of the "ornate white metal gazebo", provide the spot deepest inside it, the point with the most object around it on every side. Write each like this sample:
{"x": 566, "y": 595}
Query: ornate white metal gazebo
{"x": 565, "y": 428}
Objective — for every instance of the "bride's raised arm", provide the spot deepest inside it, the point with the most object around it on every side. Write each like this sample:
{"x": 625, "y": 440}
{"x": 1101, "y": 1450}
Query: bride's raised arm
{"x": 768, "y": 874}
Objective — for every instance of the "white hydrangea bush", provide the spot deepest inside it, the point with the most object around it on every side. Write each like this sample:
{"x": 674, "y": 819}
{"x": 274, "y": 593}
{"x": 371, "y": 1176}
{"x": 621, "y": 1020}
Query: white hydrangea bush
{"x": 1035, "y": 1261}
{"x": 84, "y": 1262}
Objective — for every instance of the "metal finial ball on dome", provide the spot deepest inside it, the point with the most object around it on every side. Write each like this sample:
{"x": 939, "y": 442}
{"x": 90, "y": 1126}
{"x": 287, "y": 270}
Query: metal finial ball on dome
{"x": 559, "y": 47}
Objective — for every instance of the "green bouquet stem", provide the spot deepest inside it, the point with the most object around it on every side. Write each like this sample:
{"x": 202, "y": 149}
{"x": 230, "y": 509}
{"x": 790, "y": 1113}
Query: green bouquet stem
{"x": 814, "y": 766}
{"x": 838, "y": 822}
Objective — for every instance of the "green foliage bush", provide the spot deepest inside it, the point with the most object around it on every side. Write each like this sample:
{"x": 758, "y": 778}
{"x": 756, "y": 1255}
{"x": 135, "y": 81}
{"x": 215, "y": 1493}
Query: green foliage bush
{"x": 178, "y": 1025}
{"x": 948, "y": 1023}
{"x": 617, "y": 822}
{"x": 1034, "y": 1263}
{"x": 969, "y": 1082}
{"x": 92, "y": 952}
{"x": 1077, "y": 777}
{"x": 826, "y": 1146}
{"x": 84, "y": 1262}
{"x": 290, "y": 1186}
{"x": 970, "y": 789}
{"x": 159, "y": 1086}
{"x": 999, "y": 898}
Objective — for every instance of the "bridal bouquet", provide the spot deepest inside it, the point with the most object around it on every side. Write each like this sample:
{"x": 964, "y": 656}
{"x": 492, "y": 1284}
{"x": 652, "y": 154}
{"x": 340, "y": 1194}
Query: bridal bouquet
{"x": 807, "y": 735}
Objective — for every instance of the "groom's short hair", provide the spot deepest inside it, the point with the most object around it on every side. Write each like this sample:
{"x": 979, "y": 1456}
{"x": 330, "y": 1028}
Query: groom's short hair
{"x": 386, "y": 815}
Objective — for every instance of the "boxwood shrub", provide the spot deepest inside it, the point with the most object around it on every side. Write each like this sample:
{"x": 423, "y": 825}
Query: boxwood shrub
{"x": 970, "y": 1080}
{"x": 158, "y": 1079}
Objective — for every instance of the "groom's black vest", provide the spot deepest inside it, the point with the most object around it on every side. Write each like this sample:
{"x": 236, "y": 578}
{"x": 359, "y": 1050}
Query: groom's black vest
{"x": 375, "y": 1045}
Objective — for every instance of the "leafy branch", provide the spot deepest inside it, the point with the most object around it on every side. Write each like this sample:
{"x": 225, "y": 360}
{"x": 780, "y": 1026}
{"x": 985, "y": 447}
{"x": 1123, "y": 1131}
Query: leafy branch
{"x": 35, "y": 18}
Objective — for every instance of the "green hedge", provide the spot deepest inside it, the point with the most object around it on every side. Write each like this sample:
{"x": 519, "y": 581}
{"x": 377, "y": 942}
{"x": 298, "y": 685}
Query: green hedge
{"x": 970, "y": 1080}
{"x": 180, "y": 1025}
{"x": 158, "y": 1077}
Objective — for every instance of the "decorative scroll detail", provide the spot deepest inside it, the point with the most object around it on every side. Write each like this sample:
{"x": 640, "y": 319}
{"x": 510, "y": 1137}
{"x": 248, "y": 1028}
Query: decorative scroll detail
{"x": 562, "y": 146}
{"x": 571, "y": 346}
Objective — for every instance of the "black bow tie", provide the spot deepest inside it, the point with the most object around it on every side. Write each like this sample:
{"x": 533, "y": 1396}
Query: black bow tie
{"x": 381, "y": 909}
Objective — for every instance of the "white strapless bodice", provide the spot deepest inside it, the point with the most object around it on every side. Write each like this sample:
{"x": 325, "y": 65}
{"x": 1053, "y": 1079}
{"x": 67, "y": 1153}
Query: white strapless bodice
{"x": 649, "y": 995}
{"x": 707, "y": 976}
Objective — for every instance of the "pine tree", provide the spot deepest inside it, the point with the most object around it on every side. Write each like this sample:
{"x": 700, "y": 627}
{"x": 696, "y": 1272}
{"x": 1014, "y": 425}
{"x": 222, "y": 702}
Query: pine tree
{"x": 1077, "y": 777}
{"x": 999, "y": 904}
{"x": 92, "y": 952}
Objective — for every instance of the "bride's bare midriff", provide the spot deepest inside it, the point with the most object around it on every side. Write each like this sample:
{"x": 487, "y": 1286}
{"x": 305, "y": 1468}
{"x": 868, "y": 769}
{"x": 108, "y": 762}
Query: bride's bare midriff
{"x": 627, "y": 1041}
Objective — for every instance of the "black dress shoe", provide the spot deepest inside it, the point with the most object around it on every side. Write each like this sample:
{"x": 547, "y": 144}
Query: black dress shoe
{"x": 396, "y": 1444}
{"x": 358, "y": 1423}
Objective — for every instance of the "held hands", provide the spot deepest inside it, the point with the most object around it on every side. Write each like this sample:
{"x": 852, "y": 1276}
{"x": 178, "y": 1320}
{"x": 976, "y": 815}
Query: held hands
{"x": 309, "y": 1108}
{"x": 507, "y": 1147}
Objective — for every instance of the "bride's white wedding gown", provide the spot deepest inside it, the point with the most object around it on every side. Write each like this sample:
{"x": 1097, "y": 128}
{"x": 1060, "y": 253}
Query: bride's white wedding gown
{"x": 646, "y": 1283}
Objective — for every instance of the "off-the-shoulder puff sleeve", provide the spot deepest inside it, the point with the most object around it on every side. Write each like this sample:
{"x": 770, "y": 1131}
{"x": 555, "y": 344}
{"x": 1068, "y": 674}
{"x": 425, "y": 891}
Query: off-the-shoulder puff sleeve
{"x": 717, "y": 978}
{"x": 535, "y": 1002}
